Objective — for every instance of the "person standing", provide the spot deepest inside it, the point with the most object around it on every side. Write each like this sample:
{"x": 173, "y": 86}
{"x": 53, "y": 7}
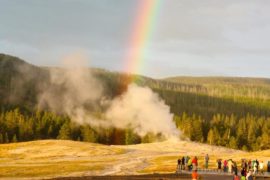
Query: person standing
{"x": 206, "y": 161}
{"x": 235, "y": 169}
{"x": 186, "y": 162}
{"x": 243, "y": 172}
{"x": 249, "y": 165}
{"x": 195, "y": 163}
{"x": 194, "y": 175}
{"x": 236, "y": 177}
{"x": 183, "y": 163}
{"x": 178, "y": 165}
{"x": 256, "y": 165}
{"x": 219, "y": 164}
{"x": 225, "y": 166}
{"x": 261, "y": 165}
{"x": 189, "y": 164}
{"x": 249, "y": 175}
{"x": 230, "y": 166}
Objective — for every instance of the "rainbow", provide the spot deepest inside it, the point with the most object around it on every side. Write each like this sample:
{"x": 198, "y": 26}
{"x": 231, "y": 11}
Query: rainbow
{"x": 146, "y": 17}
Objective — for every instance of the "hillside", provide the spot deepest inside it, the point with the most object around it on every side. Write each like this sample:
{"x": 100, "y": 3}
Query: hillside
{"x": 254, "y": 88}
{"x": 235, "y": 110}
{"x": 23, "y": 81}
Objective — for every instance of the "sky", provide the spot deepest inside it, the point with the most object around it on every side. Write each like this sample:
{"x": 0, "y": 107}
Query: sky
{"x": 189, "y": 37}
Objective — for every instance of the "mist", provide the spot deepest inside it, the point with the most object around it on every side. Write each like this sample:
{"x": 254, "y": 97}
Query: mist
{"x": 142, "y": 110}
{"x": 75, "y": 91}
{"x": 72, "y": 90}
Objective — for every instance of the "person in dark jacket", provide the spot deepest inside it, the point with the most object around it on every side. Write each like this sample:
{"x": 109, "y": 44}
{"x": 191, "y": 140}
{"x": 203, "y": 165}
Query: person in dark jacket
{"x": 178, "y": 169}
{"x": 235, "y": 170}
{"x": 183, "y": 163}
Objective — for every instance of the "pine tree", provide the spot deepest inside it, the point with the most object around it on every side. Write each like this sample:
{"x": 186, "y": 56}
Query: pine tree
{"x": 148, "y": 138}
{"x": 64, "y": 132}
{"x": 128, "y": 137}
{"x": 1, "y": 138}
{"x": 6, "y": 139}
{"x": 14, "y": 139}
{"x": 211, "y": 137}
{"x": 132, "y": 138}
{"x": 88, "y": 134}
{"x": 233, "y": 143}
{"x": 265, "y": 141}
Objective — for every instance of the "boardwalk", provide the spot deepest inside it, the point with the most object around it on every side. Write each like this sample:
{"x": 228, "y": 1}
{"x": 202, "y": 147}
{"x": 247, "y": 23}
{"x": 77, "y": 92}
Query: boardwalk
{"x": 157, "y": 177}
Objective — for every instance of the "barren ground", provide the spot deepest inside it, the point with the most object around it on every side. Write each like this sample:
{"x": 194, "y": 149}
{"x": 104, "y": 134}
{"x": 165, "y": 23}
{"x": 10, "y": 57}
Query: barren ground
{"x": 55, "y": 158}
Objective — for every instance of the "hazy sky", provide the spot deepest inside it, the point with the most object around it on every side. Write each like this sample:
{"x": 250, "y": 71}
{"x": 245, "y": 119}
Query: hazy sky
{"x": 191, "y": 37}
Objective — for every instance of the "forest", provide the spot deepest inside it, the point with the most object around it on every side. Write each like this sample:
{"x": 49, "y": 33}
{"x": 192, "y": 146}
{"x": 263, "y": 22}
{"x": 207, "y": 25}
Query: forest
{"x": 224, "y": 111}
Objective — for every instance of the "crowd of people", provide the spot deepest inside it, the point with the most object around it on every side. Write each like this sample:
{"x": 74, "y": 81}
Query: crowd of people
{"x": 246, "y": 170}
{"x": 187, "y": 163}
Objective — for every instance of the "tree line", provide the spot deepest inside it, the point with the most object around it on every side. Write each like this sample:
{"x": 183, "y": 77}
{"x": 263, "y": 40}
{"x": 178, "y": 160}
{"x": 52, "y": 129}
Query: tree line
{"x": 18, "y": 126}
{"x": 247, "y": 132}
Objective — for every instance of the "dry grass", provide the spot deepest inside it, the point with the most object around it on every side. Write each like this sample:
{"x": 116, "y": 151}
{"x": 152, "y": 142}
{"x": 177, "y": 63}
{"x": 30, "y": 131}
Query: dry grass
{"x": 54, "y": 158}
{"x": 51, "y": 158}
{"x": 47, "y": 170}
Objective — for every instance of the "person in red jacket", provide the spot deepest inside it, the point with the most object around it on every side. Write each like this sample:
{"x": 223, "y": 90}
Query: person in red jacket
{"x": 194, "y": 175}
{"x": 225, "y": 165}
{"x": 195, "y": 163}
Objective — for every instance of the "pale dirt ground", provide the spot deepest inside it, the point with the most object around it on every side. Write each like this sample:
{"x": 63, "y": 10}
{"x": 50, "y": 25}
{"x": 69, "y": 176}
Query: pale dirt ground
{"x": 54, "y": 158}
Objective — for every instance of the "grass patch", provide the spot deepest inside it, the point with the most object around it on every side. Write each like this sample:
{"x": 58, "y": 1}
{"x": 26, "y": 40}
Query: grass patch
{"x": 47, "y": 170}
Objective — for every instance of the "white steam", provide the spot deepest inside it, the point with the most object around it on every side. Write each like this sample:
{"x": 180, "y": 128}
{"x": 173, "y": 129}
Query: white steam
{"x": 142, "y": 110}
{"x": 72, "y": 90}
{"x": 76, "y": 92}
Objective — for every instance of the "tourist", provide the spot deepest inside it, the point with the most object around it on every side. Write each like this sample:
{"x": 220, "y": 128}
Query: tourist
{"x": 235, "y": 177}
{"x": 249, "y": 175}
{"x": 206, "y": 161}
{"x": 225, "y": 166}
{"x": 261, "y": 165}
{"x": 219, "y": 164}
{"x": 194, "y": 175}
{"x": 186, "y": 162}
{"x": 230, "y": 166}
{"x": 183, "y": 163}
{"x": 195, "y": 163}
{"x": 189, "y": 164}
{"x": 243, "y": 172}
{"x": 249, "y": 165}
{"x": 235, "y": 169}
{"x": 256, "y": 164}
{"x": 178, "y": 165}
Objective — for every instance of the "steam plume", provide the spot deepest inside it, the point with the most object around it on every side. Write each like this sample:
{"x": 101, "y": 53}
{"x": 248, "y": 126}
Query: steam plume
{"x": 142, "y": 110}
{"x": 72, "y": 90}
{"x": 76, "y": 92}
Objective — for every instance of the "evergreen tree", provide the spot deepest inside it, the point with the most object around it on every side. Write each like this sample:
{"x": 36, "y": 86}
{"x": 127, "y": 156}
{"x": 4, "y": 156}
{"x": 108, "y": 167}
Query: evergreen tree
{"x": 88, "y": 134}
{"x": 1, "y": 138}
{"x": 133, "y": 138}
{"x": 6, "y": 139}
{"x": 14, "y": 139}
{"x": 233, "y": 143}
{"x": 64, "y": 132}
{"x": 148, "y": 138}
{"x": 211, "y": 137}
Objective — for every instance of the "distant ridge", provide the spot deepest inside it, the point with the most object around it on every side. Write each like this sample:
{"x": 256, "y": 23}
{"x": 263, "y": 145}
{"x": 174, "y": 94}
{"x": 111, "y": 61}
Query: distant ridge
{"x": 217, "y": 79}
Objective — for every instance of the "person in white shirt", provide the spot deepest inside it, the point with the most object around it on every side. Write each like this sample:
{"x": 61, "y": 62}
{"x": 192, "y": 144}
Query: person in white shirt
{"x": 230, "y": 166}
{"x": 261, "y": 165}
{"x": 249, "y": 175}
